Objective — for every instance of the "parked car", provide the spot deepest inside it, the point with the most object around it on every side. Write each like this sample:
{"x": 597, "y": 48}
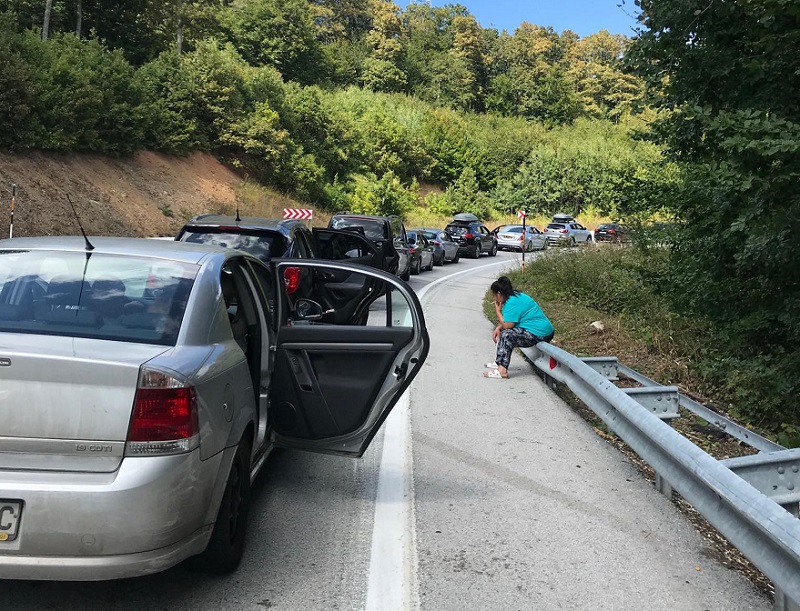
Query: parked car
{"x": 266, "y": 238}
{"x": 472, "y": 237}
{"x": 144, "y": 383}
{"x": 388, "y": 232}
{"x": 444, "y": 248}
{"x": 285, "y": 238}
{"x": 510, "y": 237}
{"x": 421, "y": 251}
{"x": 611, "y": 232}
{"x": 564, "y": 229}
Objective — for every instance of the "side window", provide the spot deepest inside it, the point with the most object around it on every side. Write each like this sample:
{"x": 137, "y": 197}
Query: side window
{"x": 302, "y": 249}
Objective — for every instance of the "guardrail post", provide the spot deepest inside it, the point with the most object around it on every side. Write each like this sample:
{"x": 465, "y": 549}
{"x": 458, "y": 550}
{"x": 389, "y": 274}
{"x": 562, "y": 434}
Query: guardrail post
{"x": 663, "y": 486}
{"x": 783, "y": 603}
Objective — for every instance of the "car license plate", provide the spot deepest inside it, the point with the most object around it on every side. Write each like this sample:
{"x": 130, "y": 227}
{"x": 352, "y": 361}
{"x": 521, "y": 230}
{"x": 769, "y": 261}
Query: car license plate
{"x": 10, "y": 512}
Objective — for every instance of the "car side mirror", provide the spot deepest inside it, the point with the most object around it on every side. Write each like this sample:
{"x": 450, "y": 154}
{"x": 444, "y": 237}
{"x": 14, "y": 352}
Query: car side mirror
{"x": 306, "y": 309}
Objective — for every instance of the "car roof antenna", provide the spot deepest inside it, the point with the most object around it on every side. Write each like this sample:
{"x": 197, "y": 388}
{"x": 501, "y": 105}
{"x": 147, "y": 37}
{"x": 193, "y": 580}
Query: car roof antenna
{"x": 89, "y": 245}
{"x": 238, "y": 218}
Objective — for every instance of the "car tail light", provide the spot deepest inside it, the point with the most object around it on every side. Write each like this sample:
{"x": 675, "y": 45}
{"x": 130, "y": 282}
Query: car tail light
{"x": 469, "y": 236}
{"x": 164, "y": 419}
{"x": 522, "y": 237}
{"x": 291, "y": 278}
{"x": 612, "y": 231}
{"x": 564, "y": 231}
{"x": 437, "y": 243}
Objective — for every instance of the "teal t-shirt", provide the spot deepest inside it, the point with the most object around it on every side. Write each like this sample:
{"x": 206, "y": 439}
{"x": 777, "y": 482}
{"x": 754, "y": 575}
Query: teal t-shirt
{"x": 525, "y": 313}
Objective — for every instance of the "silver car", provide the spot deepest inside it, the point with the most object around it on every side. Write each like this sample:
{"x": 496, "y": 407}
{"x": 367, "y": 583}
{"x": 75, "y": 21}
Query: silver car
{"x": 564, "y": 229}
{"x": 143, "y": 384}
{"x": 510, "y": 237}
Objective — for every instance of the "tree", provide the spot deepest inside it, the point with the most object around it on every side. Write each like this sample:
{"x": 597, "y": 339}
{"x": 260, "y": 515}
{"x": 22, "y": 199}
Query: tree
{"x": 380, "y": 70}
{"x": 277, "y": 33}
{"x": 728, "y": 73}
{"x": 529, "y": 78}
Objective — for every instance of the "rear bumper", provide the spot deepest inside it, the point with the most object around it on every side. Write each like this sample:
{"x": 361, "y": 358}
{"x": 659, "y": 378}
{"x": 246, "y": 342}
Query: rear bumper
{"x": 100, "y": 568}
{"x": 152, "y": 513}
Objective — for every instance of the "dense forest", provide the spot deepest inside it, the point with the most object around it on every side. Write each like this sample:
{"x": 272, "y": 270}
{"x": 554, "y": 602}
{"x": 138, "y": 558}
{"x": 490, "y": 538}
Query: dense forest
{"x": 354, "y": 103}
{"x": 343, "y": 103}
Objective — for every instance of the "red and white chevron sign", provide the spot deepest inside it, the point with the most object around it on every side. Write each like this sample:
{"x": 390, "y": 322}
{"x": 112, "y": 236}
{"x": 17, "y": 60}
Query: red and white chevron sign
{"x": 305, "y": 214}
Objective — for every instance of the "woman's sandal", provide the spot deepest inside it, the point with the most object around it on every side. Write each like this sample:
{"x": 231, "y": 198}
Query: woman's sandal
{"x": 491, "y": 365}
{"x": 494, "y": 373}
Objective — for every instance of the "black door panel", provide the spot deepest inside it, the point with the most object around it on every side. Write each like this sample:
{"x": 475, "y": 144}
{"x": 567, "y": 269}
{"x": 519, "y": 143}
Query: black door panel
{"x": 326, "y": 371}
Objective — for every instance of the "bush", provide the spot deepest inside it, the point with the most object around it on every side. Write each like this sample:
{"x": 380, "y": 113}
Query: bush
{"x": 85, "y": 99}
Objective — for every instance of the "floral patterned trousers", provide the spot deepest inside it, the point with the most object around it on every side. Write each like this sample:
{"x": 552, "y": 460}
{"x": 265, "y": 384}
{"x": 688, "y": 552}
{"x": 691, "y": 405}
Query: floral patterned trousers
{"x": 516, "y": 337}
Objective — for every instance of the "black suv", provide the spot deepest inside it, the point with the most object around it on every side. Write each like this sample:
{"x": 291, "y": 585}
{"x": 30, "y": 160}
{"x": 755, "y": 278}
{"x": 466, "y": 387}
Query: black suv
{"x": 387, "y": 232}
{"x": 472, "y": 236}
{"x": 280, "y": 238}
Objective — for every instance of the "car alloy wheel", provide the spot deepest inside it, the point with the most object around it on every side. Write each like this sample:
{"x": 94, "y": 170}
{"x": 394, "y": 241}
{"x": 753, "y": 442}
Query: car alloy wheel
{"x": 476, "y": 252}
{"x": 493, "y": 252}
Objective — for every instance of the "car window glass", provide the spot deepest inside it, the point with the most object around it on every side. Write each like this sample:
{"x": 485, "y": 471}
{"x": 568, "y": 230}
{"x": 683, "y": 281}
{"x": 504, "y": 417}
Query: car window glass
{"x": 555, "y": 226}
{"x": 119, "y": 298}
{"x": 263, "y": 246}
{"x": 373, "y": 229}
{"x": 338, "y": 246}
{"x": 457, "y": 229}
{"x": 344, "y": 297}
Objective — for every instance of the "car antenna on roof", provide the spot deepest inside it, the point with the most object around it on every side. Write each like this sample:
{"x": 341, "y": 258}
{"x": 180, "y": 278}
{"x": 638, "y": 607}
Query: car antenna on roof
{"x": 238, "y": 218}
{"x": 89, "y": 245}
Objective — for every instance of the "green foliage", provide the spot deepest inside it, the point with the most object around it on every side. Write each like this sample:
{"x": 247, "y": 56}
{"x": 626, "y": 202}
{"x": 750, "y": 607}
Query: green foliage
{"x": 729, "y": 73}
{"x": 382, "y": 196}
{"x": 462, "y": 196}
{"x": 172, "y": 121}
{"x": 593, "y": 163}
{"x": 85, "y": 96}
{"x": 17, "y": 92}
{"x": 277, "y": 33}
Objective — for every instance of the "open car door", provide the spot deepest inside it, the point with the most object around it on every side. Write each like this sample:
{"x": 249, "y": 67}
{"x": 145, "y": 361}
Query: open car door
{"x": 334, "y": 384}
{"x": 347, "y": 245}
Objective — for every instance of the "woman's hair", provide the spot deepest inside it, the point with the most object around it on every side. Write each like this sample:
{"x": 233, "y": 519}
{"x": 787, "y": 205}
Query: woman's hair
{"x": 503, "y": 286}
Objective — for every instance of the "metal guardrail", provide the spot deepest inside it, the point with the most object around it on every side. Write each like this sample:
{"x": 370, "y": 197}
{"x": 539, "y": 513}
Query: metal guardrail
{"x": 752, "y": 501}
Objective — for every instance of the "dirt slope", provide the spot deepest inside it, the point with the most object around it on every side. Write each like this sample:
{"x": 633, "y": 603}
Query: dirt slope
{"x": 144, "y": 195}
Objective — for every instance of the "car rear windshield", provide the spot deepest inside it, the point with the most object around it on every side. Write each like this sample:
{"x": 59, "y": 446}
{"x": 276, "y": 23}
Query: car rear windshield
{"x": 430, "y": 235}
{"x": 373, "y": 229}
{"x": 100, "y": 296}
{"x": 457, "y": 229}
{"x": 511, "y": 230}
{"x": 556, "y": 226}
{"x": 261, "y": 244}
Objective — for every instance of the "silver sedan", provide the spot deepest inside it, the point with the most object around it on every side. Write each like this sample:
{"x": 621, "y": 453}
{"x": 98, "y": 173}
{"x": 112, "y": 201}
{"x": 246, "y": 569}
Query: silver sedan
{"x": 515, "y": 237}
{"x": 143, "y": 384}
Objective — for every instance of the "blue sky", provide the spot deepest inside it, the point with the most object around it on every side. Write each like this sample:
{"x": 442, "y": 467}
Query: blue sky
{"x": 583, "y": 17}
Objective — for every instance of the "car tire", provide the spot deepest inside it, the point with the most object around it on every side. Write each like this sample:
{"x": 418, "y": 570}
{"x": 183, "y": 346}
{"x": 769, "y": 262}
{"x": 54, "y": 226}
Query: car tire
{"x": 226, "y": 545}
{"x": 430, "y": 267}
{"x": 439, "y": 262}
{"x": 415, "y": 267}
{"x": 476, "y": 251}
{"x": 572, "y": 242}
{"x": 456, "y": 258}
{"x": 493, "y": 252}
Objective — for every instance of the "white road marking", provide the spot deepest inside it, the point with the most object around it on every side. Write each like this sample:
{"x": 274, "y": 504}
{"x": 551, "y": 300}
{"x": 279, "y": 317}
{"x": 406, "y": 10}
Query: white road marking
{"x": 392, "y": 580}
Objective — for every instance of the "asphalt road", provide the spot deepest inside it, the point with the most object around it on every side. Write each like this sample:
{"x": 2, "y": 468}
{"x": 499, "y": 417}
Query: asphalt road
{"x": 480, "y": 494}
